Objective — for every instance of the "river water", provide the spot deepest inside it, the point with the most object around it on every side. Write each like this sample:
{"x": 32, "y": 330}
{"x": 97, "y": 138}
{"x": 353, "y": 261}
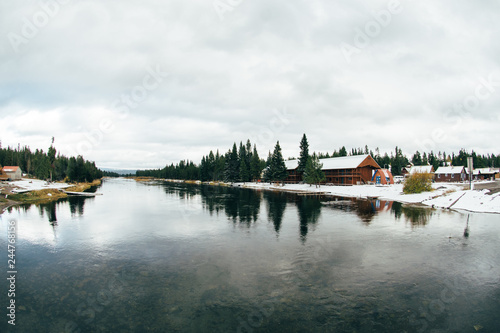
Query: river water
{"x": 167, "y": 257}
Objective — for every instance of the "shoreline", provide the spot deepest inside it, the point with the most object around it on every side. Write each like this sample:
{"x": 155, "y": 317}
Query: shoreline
{"x": 35, "y": 191}
{"x": 452, "y": 196}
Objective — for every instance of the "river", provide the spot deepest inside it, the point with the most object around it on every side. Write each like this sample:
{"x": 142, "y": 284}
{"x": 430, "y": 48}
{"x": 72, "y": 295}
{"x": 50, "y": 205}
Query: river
{"x": 169, "y": 257}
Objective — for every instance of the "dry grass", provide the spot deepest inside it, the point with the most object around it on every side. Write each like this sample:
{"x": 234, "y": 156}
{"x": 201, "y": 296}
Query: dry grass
{"x": 142, "y": 179}
{"x": 38, "y": 196}
{"x": 80, "y": 187}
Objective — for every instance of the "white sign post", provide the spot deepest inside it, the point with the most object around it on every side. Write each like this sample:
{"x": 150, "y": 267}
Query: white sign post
{"x": 470, "y": 168}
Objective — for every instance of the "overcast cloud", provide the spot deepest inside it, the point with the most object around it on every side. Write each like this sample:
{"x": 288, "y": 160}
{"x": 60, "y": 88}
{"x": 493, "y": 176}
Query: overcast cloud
{"x": 141, "y": 84}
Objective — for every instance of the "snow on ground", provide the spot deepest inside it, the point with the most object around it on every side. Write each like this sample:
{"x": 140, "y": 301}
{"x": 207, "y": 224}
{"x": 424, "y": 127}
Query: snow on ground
{"x": 475, "y": 201}
{"x": 387, "y": 192}
{"x": 25, "y": 185}
{"x": 444, "y": 195}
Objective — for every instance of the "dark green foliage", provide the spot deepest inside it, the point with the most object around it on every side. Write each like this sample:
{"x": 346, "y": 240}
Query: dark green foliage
{"x": 255, "y": 165}
{"x": 313, "y": 173}
{"x": 183, "y": 170}
{"x": 111, "y": 174}
{"x": 304, "y": 154}
{"x": 276, "y": 169}
{"x": 49, "y": 165}
{"x": 232, "y": 166}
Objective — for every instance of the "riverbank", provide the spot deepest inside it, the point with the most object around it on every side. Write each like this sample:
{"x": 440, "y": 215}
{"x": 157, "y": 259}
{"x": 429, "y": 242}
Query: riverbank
{"x": 444, "y": 195}
{"x": 484, "y": 199}
{"x": 37, "y": 191}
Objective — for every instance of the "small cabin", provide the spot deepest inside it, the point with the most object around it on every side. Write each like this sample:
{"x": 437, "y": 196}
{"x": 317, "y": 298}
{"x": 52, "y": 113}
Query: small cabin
{"x": 13, "y": 172}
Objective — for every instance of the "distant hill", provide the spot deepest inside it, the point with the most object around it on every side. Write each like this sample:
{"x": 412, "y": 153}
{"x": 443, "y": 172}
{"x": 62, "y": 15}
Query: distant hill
{"x": 120, "y": 171}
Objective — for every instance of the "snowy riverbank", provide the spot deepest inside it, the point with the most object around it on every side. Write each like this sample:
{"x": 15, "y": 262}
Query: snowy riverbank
{"x": 26, "y": 185}
{"x": 444, "y": 195}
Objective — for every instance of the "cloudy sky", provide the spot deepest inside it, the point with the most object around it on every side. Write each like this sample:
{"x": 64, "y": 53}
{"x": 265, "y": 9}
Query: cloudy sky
{"x": 140, "y": 84}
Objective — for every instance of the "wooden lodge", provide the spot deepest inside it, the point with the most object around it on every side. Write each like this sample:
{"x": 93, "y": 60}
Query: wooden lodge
{"x": 347, "y": 170}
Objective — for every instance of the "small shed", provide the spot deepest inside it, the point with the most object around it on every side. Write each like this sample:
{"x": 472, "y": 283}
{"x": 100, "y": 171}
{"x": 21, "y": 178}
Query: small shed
{"x": 382, "y": 176}
{"x": 13, "y": 172}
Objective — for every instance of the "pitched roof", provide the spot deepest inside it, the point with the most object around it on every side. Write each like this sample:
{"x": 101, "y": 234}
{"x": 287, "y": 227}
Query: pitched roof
{"x": 292, "y": 164}
{"x": 449, "y": 169}
{"x": 487, "y": 171}
{"x": 10, "y": 168}
{"x": 345, "y": 162}
{"x": 421, "y": 168}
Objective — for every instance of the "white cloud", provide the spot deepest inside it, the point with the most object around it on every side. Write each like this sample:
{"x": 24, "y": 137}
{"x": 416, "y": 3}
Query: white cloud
{"x": 226, "y": 77}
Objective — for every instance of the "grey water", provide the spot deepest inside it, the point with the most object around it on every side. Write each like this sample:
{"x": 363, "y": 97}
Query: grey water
{"x": 166, "y": 257}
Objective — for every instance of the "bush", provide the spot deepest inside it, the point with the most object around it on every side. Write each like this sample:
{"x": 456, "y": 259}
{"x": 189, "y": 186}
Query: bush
{"x": 418, "y": 183}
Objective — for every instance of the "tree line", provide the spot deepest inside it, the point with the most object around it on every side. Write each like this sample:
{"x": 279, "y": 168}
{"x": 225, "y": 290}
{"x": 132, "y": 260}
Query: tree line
{"x": 49, "y": 165}
{"x": 242, "y": 163}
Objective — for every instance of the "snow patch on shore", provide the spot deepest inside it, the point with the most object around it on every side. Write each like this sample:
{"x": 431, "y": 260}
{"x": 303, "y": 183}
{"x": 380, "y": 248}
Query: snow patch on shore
{"x": 474, "y": 201}
{"x": 26, "y": 185}
{"x": 443, "y": 196}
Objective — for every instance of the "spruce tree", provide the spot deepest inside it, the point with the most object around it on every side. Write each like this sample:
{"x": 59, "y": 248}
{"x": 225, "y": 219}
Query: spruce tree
{"x": 313, "y": 173}
{"x": 278, "y": 167}
{"x": 244, "y": 171}
{"x": 268, "y": 169}
{"x": 304, "y": 154}
{"x": 255, "y": 169}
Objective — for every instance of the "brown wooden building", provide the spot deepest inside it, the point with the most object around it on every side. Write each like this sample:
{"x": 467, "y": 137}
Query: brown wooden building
{"x": 485, "y": 173}
{"x": 347, "y": 170}
{"x": 450, "y": 174}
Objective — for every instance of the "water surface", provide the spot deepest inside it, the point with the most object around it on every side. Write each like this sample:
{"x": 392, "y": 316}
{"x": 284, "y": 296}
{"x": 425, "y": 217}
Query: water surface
{"x": 173, "y": 258}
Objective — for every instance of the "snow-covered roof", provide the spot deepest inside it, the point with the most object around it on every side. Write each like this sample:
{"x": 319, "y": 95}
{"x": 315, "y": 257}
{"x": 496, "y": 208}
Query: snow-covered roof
{"x": 483, "y": 171}
{"x": 332, "y": 163}
{"x": 449, "y": 170}
{"x": 291, "y": 164}
{"x": 421, "y": 169}
{"x": 487, "y": 171}
{"x": 345, "y": 162}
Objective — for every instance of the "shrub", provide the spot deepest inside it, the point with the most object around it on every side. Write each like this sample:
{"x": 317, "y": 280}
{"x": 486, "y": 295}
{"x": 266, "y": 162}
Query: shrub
{"x": 418, "y": 182}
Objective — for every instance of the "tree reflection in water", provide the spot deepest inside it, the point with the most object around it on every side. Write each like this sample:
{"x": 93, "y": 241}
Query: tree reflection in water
{"x": 276, "y": 204}
{"x": 309, "y": 210}
{"x": 239, "y": 205}
{"x": 76, "y": 205}
{"x": 417, "y": 216}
